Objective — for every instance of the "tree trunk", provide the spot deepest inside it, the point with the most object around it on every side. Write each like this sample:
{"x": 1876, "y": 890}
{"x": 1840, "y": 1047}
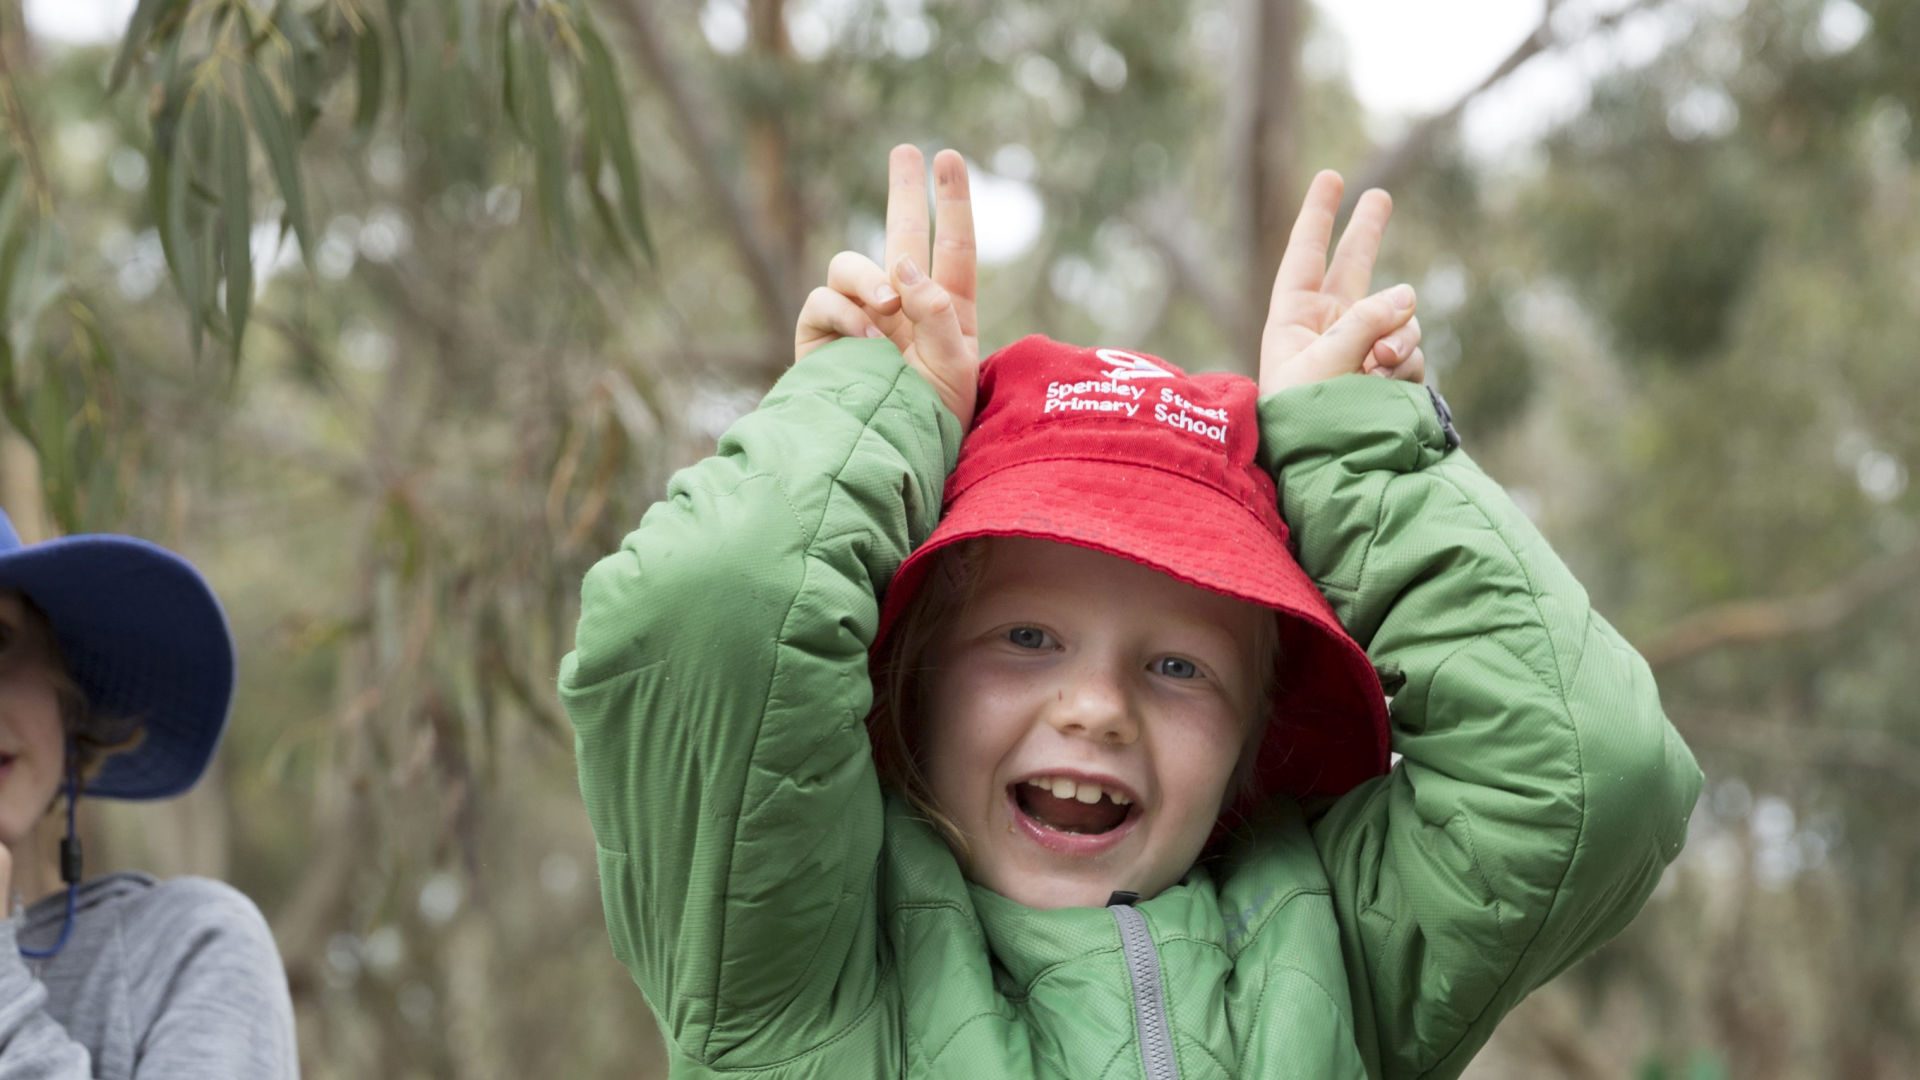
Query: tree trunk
{"x": 1263, "y": 137}
{"x": 768, "y": 146}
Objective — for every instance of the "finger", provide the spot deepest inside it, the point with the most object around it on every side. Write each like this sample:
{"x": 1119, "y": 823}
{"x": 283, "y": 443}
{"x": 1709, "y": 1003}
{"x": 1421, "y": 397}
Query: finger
{"x": 955, "y": 264}
{"x": 1413, "y": 369}
{"x": 860, "y": 278}
{"x": 1397, "y": 346}
{"x": 1352, "y": 270}
{"x": 827, "y": 316}
{"x": 942, "y": 349}
{"x": 906, "y": 206}
{"x": 1305, "y": 261}
{"x": 1348, "y": 344}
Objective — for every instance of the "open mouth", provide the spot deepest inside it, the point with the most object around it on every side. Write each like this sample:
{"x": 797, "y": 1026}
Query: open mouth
{"x": 1074, "y": 807}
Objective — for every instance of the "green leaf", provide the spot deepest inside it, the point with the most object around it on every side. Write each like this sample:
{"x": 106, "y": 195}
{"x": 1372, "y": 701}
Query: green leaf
{"x": 591, "y": 168}
{"x": 236, "y": 199}
{"x": 11, "y": 401}
{"x": 607, "y": 113}
{"x": 509, "y": 96}
{"x": 277, "y": 139}
{"x": 371, "y": 71}
{"x": 26, "y": 279}
{"x": 145, "y": 18}
{"x": 12, "y": 173}
{"x": 305, "y": 69}
{"x": 402, "y": 76}
{"x": 50, "y": 415}
{"x": 14, "y": 254}
{"x": 535, "y": 84}
{"x": 171, "y": 184}
{"x": 176, "y": 86}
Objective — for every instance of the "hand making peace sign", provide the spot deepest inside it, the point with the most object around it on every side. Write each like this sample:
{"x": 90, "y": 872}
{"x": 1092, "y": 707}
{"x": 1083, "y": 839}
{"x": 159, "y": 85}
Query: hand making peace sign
{"x": 929, "y": 316}
{"x": 1318, "y": 325}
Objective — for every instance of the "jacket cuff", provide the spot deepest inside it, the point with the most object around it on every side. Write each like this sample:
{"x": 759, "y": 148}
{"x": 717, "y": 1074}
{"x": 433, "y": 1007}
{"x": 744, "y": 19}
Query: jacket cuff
{"x": 1369, "y": 422}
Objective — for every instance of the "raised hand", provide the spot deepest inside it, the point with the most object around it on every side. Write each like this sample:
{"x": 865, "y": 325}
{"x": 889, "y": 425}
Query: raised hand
{"x": 924, "y": 300}
{"x": 1320, "y": 322}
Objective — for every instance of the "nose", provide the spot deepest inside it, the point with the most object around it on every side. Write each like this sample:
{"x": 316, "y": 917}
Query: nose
{"x": 1094, "y": 704}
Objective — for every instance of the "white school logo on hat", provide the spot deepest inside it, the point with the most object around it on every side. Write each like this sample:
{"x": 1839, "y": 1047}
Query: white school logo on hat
{"x": 1128, "y": 366}
{"x": 1115, "y": 395}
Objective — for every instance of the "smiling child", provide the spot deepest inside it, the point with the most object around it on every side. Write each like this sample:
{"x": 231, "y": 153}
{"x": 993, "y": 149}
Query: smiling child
{"x": 1062, "y": 749}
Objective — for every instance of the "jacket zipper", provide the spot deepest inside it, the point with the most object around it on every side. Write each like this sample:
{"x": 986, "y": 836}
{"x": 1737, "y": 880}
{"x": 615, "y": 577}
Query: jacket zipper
{"x": 1149, "y": 997}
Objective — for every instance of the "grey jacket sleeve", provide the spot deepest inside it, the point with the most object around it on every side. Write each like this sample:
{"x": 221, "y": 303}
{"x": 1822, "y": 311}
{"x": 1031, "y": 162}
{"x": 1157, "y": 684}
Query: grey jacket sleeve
{"x": 32, "y": 1044}
{"x": 201, "y": 985}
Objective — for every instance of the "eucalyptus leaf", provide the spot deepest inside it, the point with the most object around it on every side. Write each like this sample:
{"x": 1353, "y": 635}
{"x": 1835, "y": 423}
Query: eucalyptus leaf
{"x": 237, "y": 204}
{"x": 172, "y": 182}
{"x": 277, "y": 139}
{"x": 591, "y": 166}
{"x": 509, "y": 82}
{"x": 402, "y": 69}
{"x": 543, "y": 133}
{"x": 145, "y": 18}
{"x": 370, "y": 71}
{"x": 607, "y": 113}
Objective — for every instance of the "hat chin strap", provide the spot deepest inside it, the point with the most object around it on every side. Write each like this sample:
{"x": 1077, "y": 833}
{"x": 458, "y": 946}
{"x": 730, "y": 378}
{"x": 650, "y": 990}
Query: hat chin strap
{"x": 69, "y": 865}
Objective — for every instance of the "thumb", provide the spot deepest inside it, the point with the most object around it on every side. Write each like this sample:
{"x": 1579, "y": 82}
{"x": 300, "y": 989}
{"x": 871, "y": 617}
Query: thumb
{"x": 940, "y": 350}
{"x": 1344, "y": 347}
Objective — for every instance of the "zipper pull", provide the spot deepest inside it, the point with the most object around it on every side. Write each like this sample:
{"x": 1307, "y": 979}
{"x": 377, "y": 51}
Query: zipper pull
{"x": 1123, "y": 898}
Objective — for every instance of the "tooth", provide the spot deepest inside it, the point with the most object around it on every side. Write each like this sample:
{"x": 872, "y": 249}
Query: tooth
{"x": 1045, "y": 783}
{"x": 1063, "y": 788}
{"x": 1119, "y": 799}
{"x": 1088, "y": 793}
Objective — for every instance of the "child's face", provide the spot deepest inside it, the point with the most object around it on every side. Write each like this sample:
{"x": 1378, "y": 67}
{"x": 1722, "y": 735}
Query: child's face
{"x": 1071, "y": 665}
{"x": 32, "y": 745}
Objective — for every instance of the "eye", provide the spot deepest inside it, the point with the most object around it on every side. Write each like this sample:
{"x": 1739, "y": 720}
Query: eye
{"x": 1028, "y": 637}
{"x": 1173, "y": 667}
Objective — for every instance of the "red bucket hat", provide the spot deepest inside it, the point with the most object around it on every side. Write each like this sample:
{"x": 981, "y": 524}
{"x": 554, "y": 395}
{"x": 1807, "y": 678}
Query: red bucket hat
{"x": 1126, "y": 454}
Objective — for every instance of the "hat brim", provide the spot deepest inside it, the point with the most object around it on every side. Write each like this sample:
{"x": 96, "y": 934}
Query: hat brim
{"x": 146, "y": 640}
{"x": 1329, "y": 728}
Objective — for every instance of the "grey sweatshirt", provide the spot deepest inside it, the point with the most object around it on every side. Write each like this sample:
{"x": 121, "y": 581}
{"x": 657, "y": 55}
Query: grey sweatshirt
{"x": 160, "y": 980}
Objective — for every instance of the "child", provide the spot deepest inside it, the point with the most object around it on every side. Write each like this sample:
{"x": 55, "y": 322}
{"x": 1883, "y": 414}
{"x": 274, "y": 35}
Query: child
{"x": 1095, "y": 661}
{"x": 116, "y": 673}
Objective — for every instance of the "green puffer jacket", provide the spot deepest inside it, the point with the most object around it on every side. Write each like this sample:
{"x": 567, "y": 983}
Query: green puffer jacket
{"x": 784, "y": 919}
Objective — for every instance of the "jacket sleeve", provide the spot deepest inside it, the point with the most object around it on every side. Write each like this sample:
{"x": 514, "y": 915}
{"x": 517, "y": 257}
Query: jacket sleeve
{"x": 1540, "y": 791}
{"x": 32, "y": 1043}
{"x": 718, "y": 690}
{"x": 201, "y": 985}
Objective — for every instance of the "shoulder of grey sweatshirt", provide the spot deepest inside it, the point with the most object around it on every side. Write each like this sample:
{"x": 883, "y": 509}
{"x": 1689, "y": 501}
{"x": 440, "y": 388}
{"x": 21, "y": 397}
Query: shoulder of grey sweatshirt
{"x": 160, "y": 979}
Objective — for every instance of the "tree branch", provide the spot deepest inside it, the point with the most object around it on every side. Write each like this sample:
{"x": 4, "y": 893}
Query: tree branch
{"x": 1389, "y": 165}
{"x": 761, "y": 261}
{"x": 1749, "y": 622}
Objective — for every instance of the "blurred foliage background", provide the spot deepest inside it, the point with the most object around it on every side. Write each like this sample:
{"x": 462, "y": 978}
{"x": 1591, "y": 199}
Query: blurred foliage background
{"x": 393, "y": 315}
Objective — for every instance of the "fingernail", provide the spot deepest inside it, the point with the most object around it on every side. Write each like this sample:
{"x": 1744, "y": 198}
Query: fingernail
{"x": 885, "y": 295}
{"x": 909, "y": 273}
{"x": 1382, "y": 372}
{"x": 874, "y": 331}
{"x": 1401, "y": 296}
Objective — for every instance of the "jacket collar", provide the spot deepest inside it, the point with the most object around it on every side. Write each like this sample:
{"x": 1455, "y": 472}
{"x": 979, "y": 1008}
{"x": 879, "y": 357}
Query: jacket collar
{"x": 1025, "y": 941}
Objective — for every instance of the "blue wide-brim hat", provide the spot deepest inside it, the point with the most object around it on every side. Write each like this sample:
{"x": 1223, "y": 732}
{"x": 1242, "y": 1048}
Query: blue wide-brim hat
{"x": 145, "y": 639}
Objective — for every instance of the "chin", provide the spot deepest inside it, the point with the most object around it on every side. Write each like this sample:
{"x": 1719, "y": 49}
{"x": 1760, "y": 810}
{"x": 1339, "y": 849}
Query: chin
{"x": 1037, "y": 889}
